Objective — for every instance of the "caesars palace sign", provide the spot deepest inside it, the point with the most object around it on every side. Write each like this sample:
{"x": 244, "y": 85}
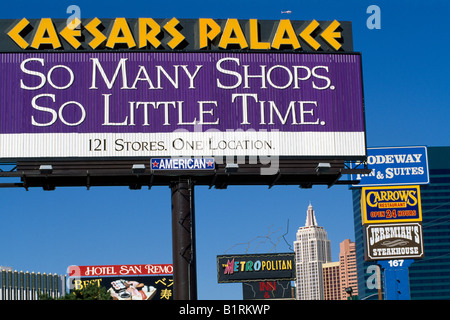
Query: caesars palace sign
{"x": 102, "y": 88}
{"x": 144, "y": 33}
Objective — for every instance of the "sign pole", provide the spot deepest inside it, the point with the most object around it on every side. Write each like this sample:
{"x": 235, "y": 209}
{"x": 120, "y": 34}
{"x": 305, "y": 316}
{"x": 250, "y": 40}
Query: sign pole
{"x": 396, "y": 279}
{"x": 183, "y": 241}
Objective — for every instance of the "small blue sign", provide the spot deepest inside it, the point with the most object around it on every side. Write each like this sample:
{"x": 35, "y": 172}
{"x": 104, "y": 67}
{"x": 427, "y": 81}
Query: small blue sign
{"x": 395, "y": 166}
{"x": 182, "y": 163}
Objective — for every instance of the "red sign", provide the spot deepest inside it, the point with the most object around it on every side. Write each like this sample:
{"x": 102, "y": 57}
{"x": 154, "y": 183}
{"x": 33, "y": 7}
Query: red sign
{"x": 121, "y": 269}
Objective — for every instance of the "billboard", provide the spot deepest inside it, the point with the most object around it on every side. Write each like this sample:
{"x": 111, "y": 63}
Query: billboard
{"x": 394, "y": 241}
{"x": 390, "y": 204}
{"x": 255, "y": 267}
{"x": 395, "y": 166}
{"x": 130, "y": 287}
{"x": 165, "y": 104}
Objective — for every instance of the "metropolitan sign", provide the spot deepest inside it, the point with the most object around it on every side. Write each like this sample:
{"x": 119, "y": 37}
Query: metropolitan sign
{"x": 161, "y": 104}
{"x": 255, "y": 267}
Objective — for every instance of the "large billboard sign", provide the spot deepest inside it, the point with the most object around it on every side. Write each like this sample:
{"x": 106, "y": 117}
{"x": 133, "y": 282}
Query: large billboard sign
{"x": 395, "y": 166}
{"x": 255, "y": 267}
{"x": 164, "y": 104}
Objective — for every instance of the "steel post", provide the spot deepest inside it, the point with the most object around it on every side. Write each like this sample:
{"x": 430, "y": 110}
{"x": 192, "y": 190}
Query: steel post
{"x": 183, "y": 241}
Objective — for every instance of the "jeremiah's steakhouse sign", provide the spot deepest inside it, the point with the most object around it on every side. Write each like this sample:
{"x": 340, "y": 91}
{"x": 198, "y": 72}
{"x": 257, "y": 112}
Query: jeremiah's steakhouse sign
{"x": 394, "y": 241}
{"x": 161, "y": 103}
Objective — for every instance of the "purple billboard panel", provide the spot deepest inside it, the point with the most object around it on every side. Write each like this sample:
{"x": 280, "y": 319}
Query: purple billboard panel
{"x": 171, "y": 104}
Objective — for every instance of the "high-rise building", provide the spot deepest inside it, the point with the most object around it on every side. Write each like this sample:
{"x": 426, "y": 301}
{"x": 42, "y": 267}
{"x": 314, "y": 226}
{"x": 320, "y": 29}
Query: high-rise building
{"x": 331, "y": 281}
{"x": 366, "y": 270}
{"x": 312, "y": 249}
{"x": 347, "y": 263}
{"x": 429, "y": 277}
{"x": 5, "y": 268}
{"x": 19, "y": 285}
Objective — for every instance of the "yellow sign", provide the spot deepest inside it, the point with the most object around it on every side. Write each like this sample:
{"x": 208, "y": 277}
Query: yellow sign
{"x": 146, "y": 33}
{"x": 391, "y": 204}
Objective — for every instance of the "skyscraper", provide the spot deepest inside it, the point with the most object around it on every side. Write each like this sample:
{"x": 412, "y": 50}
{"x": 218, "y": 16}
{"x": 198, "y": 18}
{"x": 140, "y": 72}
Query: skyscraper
{"x": 347, "y": 263}
{"x": 312, "y": 249}
{"x": 429, "y": 278}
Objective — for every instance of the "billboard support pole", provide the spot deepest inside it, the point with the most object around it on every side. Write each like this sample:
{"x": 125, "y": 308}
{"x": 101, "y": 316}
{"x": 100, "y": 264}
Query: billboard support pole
{"x": 183, "y": 241}
{"x": 396, "y": 279}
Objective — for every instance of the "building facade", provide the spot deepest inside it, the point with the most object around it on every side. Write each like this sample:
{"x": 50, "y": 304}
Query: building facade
{"x": 312, "y": 249}
{"x": 19, "y": 285}
{"x": 429, "y": 277}
{"x": 331, "y": 281}
{"x": 348, "y": 272}
{"x": 368, "y": 284}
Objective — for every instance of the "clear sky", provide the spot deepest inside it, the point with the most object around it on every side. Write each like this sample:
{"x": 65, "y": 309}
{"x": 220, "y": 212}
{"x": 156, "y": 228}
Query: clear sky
{"x": 406, "y": 87}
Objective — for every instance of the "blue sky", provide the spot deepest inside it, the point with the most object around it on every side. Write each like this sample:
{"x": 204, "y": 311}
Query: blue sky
{"x": 406, "y": 86}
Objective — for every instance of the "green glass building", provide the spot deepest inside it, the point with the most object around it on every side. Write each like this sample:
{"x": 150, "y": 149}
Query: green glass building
{"x": 429, "y": 277}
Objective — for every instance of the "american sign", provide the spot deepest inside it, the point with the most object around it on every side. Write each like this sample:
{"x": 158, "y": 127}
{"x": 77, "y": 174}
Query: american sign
{"x": 165, "y": 104}
{"x": 391, "y": 204}
{"x": 182, "y": 163}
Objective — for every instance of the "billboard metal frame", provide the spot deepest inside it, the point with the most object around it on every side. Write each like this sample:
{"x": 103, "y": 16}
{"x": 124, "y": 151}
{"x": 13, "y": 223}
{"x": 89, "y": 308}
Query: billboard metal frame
{"x": 51, "y": 174}
{"x": 102, "y": 171}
